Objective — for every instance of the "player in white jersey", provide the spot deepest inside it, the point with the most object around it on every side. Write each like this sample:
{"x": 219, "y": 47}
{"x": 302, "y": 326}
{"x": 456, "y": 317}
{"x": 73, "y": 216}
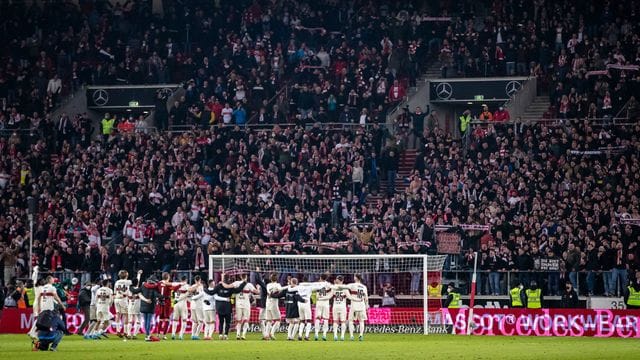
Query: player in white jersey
{"x": 133, "y": 309}
{"x": 359, "y": 298}
{"x": 339, "y": 308}
{"x": 180, "y": 309}
{"x": 197, "y": 310}
{"x": 324, "y": 293}
{"x": 37, "y": 290}
{"x": 243, "y": 307}
{"x": 305, "y": 289}
{"x": 209, "y": 310}
{"x": 121, "y": 302}
{"x": 93, "y": 323}
{"x": 272, "y": 310}
{"x": 48, "y": 296}
{"x": 104, "y": 300}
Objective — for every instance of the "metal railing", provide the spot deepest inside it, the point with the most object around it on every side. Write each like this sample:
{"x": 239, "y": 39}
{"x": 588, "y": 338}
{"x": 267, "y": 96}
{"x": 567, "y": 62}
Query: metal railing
{"x": 330, "y": 126}
{"x": 550, "y": 281}
{"x": 618, "y": 121}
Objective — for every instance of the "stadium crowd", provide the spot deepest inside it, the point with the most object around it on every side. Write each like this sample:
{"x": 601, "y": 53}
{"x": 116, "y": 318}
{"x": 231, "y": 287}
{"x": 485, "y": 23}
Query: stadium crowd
{"x": 165, "y": 201}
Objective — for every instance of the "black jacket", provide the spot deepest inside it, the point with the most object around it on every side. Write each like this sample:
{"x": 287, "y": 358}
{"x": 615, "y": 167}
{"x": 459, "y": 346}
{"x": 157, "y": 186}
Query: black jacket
{"x": 224, "y": 307}
{"x": 291, "y": 300}
{"x": 262, "y": 302}
{"x": 84, "y": 298}
{"x": 570, "y": 299}
{"x": 151, "y": 294}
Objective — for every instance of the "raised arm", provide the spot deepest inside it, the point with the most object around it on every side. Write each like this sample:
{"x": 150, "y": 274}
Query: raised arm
{"x": 34, "y": 275}
{"x": 260, "y": 281}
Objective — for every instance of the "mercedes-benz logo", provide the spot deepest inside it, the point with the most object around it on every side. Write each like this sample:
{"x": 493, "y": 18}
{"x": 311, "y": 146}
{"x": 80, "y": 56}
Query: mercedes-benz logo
{"x": 100, "y": 97}
{"x": 512, "y": 88}
{"x": 166, "y": 92}
{"x": 444, "y": 91}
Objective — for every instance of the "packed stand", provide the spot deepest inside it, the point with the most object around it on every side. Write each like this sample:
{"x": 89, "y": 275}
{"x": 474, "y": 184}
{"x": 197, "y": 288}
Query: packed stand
{"x": 159, "y": 201}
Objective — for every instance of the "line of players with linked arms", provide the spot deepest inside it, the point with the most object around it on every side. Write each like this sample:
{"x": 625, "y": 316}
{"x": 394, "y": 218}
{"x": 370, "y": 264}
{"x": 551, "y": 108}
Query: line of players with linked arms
{"x": 137, "y": 302}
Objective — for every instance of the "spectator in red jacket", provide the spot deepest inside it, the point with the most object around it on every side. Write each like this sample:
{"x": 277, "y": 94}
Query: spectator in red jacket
{"x": 396, "y": 92}
{"x": 501, "y": 115}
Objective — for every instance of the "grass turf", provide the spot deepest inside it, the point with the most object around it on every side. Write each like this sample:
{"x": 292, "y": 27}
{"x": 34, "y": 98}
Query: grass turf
{"x": 375, "y": 346}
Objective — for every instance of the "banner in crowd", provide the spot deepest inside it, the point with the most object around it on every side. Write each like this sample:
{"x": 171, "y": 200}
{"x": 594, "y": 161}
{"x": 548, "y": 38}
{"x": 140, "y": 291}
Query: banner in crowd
{"x": 465, "y": 227}
{"x": 547, "y": 264}
{"x": 489, "y": 322}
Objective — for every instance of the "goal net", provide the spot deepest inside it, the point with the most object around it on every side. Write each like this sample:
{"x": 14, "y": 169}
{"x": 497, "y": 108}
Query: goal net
{"x": 404, "y": 290}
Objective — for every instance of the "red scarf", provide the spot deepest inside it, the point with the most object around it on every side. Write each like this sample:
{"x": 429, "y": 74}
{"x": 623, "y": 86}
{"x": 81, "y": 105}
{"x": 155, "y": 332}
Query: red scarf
{"x": 199, "y": 260}
{"x": 55, "y": 262}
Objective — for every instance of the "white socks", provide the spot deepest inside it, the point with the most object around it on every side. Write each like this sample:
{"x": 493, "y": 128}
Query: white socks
{"x": 307, "y": 330}
{"x": 275, "y": 327}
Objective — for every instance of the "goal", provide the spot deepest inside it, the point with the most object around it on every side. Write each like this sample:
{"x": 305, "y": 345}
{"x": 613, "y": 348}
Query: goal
{"x": 404, "y": 290}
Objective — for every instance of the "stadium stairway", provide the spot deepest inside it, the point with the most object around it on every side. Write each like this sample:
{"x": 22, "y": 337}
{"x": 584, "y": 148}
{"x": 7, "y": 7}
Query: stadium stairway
{"x": 416, "y": 95}
{"x": 536, "y": 109}
{"x": 406, "y": 166}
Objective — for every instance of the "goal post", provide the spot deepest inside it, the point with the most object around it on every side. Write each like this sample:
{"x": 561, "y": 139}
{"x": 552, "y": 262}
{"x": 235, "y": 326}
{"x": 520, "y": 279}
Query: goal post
{"x": 398, "y": 285}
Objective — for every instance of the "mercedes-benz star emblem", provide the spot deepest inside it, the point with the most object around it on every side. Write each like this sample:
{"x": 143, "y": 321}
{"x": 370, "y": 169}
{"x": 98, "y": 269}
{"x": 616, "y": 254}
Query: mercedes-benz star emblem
{"x": 167, "y": 92}
{"x": 444, "y": 91}
{"x": 512, "y": 88}
{"x": 100, "y": 97}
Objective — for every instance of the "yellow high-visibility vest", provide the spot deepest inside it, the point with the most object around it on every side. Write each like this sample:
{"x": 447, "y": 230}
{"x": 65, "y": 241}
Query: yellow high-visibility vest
{"x": 515, "y": 296}
{"x": 434, "y": 292}
{"x": 455, "y": 302}
{"x": 634, "y": 297}
{"x": 533, "y": 298}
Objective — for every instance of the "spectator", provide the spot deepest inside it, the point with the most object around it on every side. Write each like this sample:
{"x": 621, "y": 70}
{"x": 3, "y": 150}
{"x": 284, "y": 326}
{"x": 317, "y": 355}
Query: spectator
{"x": 569, "y": 297}
{"x": 486, "y": 115}
{"x": 388, "y": 295}
{"x": 396, "y": 92}
{"x": 54, "y": 88}
{"x": 501, "y": 115}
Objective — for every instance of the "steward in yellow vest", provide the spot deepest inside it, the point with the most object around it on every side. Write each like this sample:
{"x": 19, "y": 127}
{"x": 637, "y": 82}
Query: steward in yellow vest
{"x": 30, "y": 291}
{"x": 107, "y": 124}
{"x": 534, "y": 296}
{"x": 465, "y": 119}
{"x": 453, "y": 297}
{"x": 517, "y": 296}
{"x": 632, "y": 296}
{"x": 434, "y": 290}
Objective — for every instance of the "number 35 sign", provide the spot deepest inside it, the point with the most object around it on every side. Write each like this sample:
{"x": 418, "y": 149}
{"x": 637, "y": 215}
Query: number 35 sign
{"x": 609, "y": 303}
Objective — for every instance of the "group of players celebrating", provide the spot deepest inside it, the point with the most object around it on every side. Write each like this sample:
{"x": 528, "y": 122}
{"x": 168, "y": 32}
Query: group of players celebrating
{"x": 176, "y": 302}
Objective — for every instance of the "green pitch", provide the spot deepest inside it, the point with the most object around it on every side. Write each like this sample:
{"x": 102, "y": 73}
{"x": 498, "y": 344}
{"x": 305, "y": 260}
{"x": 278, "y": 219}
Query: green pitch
{"x": 388, "y": 347}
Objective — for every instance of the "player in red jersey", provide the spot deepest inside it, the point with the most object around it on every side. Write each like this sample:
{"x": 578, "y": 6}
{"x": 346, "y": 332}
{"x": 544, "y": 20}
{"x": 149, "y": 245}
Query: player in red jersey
{"x": 164, "y": 287}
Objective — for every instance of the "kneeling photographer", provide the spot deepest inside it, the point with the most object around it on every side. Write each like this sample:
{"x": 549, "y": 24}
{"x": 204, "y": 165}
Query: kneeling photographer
{"x": 51, "y": 330}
